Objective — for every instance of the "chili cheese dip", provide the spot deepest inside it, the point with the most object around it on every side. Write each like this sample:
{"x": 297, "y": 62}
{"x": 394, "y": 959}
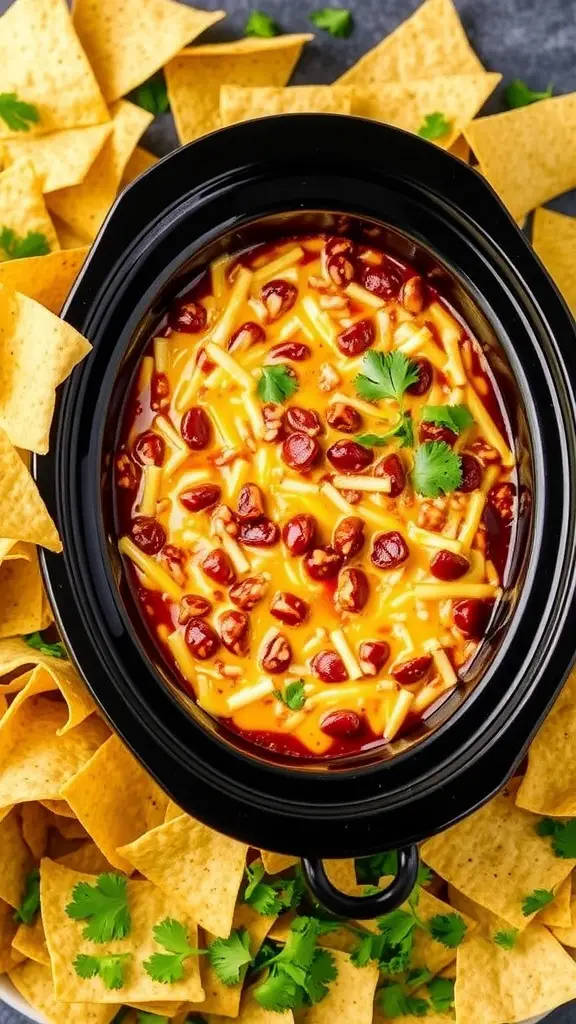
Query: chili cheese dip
{"x": 315, "y": 494}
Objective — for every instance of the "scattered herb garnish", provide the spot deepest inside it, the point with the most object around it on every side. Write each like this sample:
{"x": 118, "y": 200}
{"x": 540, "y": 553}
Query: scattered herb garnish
{"x": 144, "y": 1017}
{"x": 441, "y": 992}
{"x": 536, "y": 901}
{"x": 300, "y": 973}
{"x": 394, "y": 1001}
{"x": 262, "y": 25}
{"x": 518, "y": 94}
{"x": 37, "y": 641}
{"x": 417, "y": 977}
{"x": 17, "y": 115}
{"x": 449, "y": 929}
{"x": 169, "y": 967}
{"x": 110, "y": 968}
{"x": 30, "y": 904}
{"x": 370, "y": 869}
{"x": 335, "y": 20}
{"x": 506, "y": 939}
{"x": 456, "y": 417}
{"x": 403, "y": 430}
{"x": 434, "y": 126}
{"x": 276, "y": 384}
{"x": 562, "y": 834}
{"x": 437, "y": 469}
{"x": 153, "y": 95}
{"x": 272, "y": 896}
{"x": 16, "y": 247}
{"x": 104, "y": 906}
{"x": 385, "y": 375}
{"x": 293, "y": 695}
{"x": 230, "y": 957}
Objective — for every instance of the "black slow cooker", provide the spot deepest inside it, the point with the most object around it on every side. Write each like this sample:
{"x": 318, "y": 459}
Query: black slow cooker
{"x": 345, "y": 175}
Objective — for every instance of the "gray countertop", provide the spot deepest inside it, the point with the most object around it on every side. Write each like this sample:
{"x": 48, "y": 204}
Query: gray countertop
{"x": 530, "y": 39}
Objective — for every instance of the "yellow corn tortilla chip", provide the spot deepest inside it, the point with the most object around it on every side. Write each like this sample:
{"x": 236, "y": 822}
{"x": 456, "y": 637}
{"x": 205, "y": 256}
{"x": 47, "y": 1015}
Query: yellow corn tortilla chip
{"x": 8, "y": 929}
{"x": 31, "y": 335}
{"x": 559, "y": 913}
{"x": 127, "y": 41}
{"x": 68, "y": 238}
{"x": 242, "y": 104}
{"x": 59, "y": 159}
{"x": 251, "y": 1012}
{"x": 350, "y": 997}
{"x": 87, "y": 859}
{"x": 194, "y": 77}
{"x": 528, "y": 154}
{"x": 130, "y": 804}
{"x": 556, "y": 913}
{"x": 44, "y": 64}
{"x": 554, "y": 239}
{"x": 549, "y": 786}
{"x": 22, "y": 205}
{"x": 34, "y": 982}
{"x": 496, "y": 857}
{"x": 59, "y": 807}
{"x": 10, "y": 549}
{"x": 461, "y": 149}
{"x": 494, "y": 984}
{"x": 69, "y": 828}
{"x": 16, "y": 653}
{"x": 431, "y": 42}
{"x": 140, "y": 161}
{"x": 46, "y": 279}
{"x": 21, "y": 597}
{"x": 84, "y": 207}
{"x": 567, "y": 935}
{"x": 275, "y": 862}
{"x": 148, "y": 906}
{"x": 184, "y": 849}
{"x": 15, "y": 859}
{"x": 457, "y": 97}
{"x": 36, "y": 821}
{"x": 22, "y": 511}
{"x": 30, "y": 941}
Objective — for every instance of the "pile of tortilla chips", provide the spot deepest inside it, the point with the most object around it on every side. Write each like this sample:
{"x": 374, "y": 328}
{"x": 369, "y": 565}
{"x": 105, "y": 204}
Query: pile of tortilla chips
{"x": 490, "y": 933}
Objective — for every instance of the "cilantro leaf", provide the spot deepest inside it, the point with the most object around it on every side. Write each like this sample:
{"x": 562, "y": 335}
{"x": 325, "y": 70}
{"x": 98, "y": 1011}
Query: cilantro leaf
{"x": 395, "y": 1002}
{"x": 424, "y": 874}
{"x": 16, "y": 247}
{"x": 110, "y": 968}
{"x": 397, "y": 930}
{"x": 293, "y": 695}
{"x": 536, "y": 901}
{"x": 322, "y": 971}
{"x": 169, "y": 967}
{"x": 143, "y": 1017}
{"x": 449, "y": 929}
{"x": 546, "y": 827}
{"x": 335, "y": 20}
{"x": 419, "y": 976}
{"x": 230, "y": 957}
{"x": 30, "y": 903}
{"x": 403, "y": 430}
{"x": 506, "y": 939}
{"x": 434, "y": 126}
{"x": 441, "y": 992}
{"x": 437, "y": 469}
{"x": 262, "y": 25}
{"x": 104, "y": 906}
{"x": 518, "y": 94}
{"x": 37, "y": 641}
{"x": 370, "y": 869}
{"x": 152, "y": 95}
{"x": 300, "y": 973}
{"x": 365, "y": 950}
{"x": 17, "y": 115}
{"x": 456, "y": 417}
{"x": 274, "y": 896}
{"x": 276, "y": 384}
{"x": 563, "y": 835}
{"x": 396, "y": 925}
{"x": 385, "y": 375}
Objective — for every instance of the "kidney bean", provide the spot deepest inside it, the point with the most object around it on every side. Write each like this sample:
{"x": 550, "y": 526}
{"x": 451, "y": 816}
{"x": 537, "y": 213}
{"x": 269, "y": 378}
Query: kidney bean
{"x": 193, "y": 606}
{"x": 305, "y": 420}
{"x": 273, "y": 422}
{"x": 234, "y": 629}
{"x": 349, "y": 456}
{"x": 338, "y": 246}
{"x": 201, "y": 639}
{"x": 384, "y": 281}
{"x": 413, "y": 670}
{"x": 414, "y": 294}
{"x": 323, "y": 563}
{"x": 329, "y": 667}
{"x": 250, "y": 503}
{"x": 352, "y": 591}
{"x": 348, "y": 537}
{"x": 341, "y": 724}
{"x": 340, "y": 269}
{"x": 447, "y": 566}
{"x": 295, "y": 351}
{"x": 436, "y": 432}
{"x": 127, "y": 474}
{"x": 299, "y": 533}
{"x": 248, "y": 592}
{"x": 259, "y": 533}
{"x": 149, "y": 449}
{"x": 289, "y": 608}
{"x": 196, "y": 428}
{"x": 343, "y": 417}
{"x": 300, "y": 452}
{"x": 188, "y": 317}
{"x": 218, "y": 566}
{"x": 471, "y": 474}
{"x": 278, "y": 297}
{"x": 389, "y": 550}
{"x": 276, "y": 654}
{"x": 148, "y": 534}
{"x": 174, "y": 559}
{"x": 248, "y": 334}
{"x": 502, "y": 499}
{"x": 357, "y": 338}
{"x": 391, "y": 466}
{"x": 425, "y": 378}
{"x": 373, "y": 655}
{"x": 159, "y": 392}
{"x": 471, "y": 617}
{"x": 198, "y": 498}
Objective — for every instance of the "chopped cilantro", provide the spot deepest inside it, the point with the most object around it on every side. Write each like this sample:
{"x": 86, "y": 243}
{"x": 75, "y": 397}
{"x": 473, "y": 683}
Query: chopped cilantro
{"x": 300, "y": 973}
{"x": 441, "y": 992}
{"x": 169, "y": 967}
{"x": 403, "y": 430}
{"x": 437, "y": 469}
{"x": 417, "y": 977}
{"x": 152, "y": 95}
{"x": 367, "y": 949}
{"x": 385, "y": 375}
{"x": 268, "y": 951}
{"x": 536, "y": 901}
{"x": 506, "y": 939}
{"x": 104, "y": 906}
{"x": 110, "y": 968}
{"x": 394, "y": 1001}
{"x": 563, "y": 835}
{"x": 335, "y": 20}
{"x": 449, "y": 929}
{"x": 230, "y": 957}
{"x": 17, "y": 115}
{"x": 456, "y": 417}
{"x": 293, "y": 696}
{"x": 36, "y": 640}
{"x": 434, "y": 126}
{"x": 276, "y": 384}
{"x": 396, "y": 925}
{"x": 261, "y": 24}
{"x": 16, "y": 247}
{"x": 518, "y": 94}
{"x": 370, "y": 869}
{"x": 30, "y": 903}
{"x": 271, "y": 897}
{"x": 144, "y": 1017}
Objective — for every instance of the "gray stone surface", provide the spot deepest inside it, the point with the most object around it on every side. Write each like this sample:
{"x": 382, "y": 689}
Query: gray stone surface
{"x": 530, "y": 39}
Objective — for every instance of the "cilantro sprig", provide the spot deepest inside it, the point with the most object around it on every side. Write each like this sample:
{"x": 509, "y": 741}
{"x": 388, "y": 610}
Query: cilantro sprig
{"x": 276, "y": 384}
{"x": 30, "y": 903}
{"x": 562, "y": 834}
{"x": 449, "y": 929}
{"x": 271, "y": 896}
{"x": 293, "y": 695}
{"x": 37, "y": 641}
{"x": 17, "y": 247}
{"x": 152, "y": 95}
{"x": 168, "y": 967}
{"x": 506, "y": 939}
{"x": 536, "y": 901}
{"x": 16, "y": 114}
{"x": 104, "y": 906}
{"x": 261, "y": 25}
{"x": 434, "y": 126}
{"x": 394, "y": 1001}
{"x": 335, "y": 20}
{"x": 403, "y": 430}
{"x": 437, "y": 469}
{"x": 230, "y": 957}
{"x": 456, "y": 417}
{"x": 300, "y": 973}
{"x": 145, "y": 1017}
{"x": 441, "y": 992}
{"x": 385, "y": 375}
{"x": 110, "y": 968}
{"x": 518, "y": 94}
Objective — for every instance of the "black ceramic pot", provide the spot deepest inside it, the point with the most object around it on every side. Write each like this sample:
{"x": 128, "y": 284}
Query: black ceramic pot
{"x": 283, "y": 175}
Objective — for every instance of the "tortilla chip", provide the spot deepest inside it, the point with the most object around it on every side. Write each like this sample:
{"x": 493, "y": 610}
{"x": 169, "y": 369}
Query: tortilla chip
{"x": 69, "y": 828}
{"x": 194, "y": 77}
{"x": 16, "y": 653}
{"x": 130, "y": 805}
{"x": 34, "y": 982}
{"x": 554, "y": 239}
{"x": 459, "y": 148}
{"x": 36, "y": 821}
{"x": 431, "y": 42}
{"x": 350, "y": 997}
{"x": 10, "y": 549}
{"x": 528, "y": 154}
{"x": 68, "y": 238}
{"x": 252, "y": 1013}
{"x": 22, "y": 511}
{"x": 140, "y": 161}
{"x": 60, "y": 159}
{"x": 8, "y": 929}
{"x": 242, "y": 104}
{"x": 494, "y": 984}
{"x": 15, "y": 859}
{"x": 30, "y": 941}
{"x": 84, "y": 207}
{"x": 46, "y": 279}
{"x": 549, "y": 786}
{"x": 22, "y": 206}
{"x": 559, "y": 913}
{"x": 87, "y": 859}
{"x": 199, "y": 866}
{"x": 148, "y": 906}
{"x": 21, "y": 597}
{"x": 457, "y": 97}
{"x": 127, "y": 41}
{"x": 31, "y": 336}
{"x": 58, "y": 807}
{"x": 275, "y": 862}
{"x": 496, "y": 857}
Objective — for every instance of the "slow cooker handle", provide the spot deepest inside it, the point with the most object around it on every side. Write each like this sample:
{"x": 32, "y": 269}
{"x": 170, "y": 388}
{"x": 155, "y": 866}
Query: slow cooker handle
{"x": 364, "y": 907}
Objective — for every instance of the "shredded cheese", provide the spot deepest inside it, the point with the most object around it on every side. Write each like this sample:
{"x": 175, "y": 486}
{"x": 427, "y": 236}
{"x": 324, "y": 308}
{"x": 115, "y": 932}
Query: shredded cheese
{"x": 458, "y": 589}
{"x": 429, "y": 539}
{"x": 161, "y": 355}
{"x": 223, "y": 330}
{"x": 320, "y": 321}
{"x": 358, "y": 403}
{"x": 146, "y": 372}
{"x": 276, "y": 267}
{"x": 487, "y": 427}
{"x": 397, "y": 716}
{"x": 229, "y": 364}
{"x": 345, "y": 651}
{"x": 151, "y": 569}
{"x": 376, "y": 484}
{"x": 152, "y": 479}
{"x": 250, "y": 694}
{"x": 360, "y": 294}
